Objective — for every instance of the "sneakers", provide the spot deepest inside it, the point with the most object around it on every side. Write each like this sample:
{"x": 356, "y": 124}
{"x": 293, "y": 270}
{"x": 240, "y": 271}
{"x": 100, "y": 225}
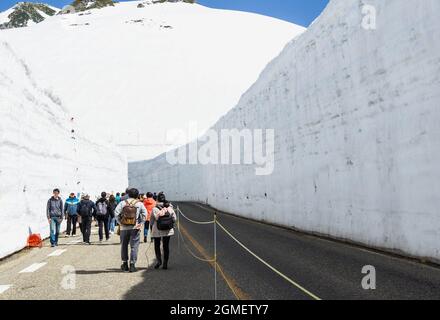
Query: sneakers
{"x": 132, "y": 267}
{"x": 158, "y": 264}
{"x": 124, "y": 267}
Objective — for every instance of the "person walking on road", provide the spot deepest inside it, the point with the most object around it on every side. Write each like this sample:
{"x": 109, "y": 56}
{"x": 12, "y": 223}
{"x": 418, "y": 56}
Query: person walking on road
{"x": 161, "y": 198}
{"x": 118, "y": 198}
{"x": 112, "y": 204}
{"x": 149, "y": 204}
{"x": 87, "y": 210}
{"x": 103, "y": 216}
{"x": 163, "y": 219}
{"x": 130, "y": 215}
{"x": 70, "y": 210}
{"x": 125, "y": 195}
{"x": 55, "y": 216}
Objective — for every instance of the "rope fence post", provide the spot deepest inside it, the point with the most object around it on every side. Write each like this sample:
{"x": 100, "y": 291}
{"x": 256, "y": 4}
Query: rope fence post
{"x": 215, "y": 256}
{"x": 178, "y": 228}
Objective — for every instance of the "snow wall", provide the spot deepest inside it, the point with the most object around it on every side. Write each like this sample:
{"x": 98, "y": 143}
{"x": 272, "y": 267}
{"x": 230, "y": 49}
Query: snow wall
{"x": 356, "y": 113}
{"x": 38, "y": 154}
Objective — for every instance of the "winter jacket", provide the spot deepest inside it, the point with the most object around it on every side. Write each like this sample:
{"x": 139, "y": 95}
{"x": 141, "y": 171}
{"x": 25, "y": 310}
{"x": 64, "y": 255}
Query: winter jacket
{"x": 149, "y": 204}
{"x": 105, "y": 202}
{"x": 71, "y": 206}
{"x": 89, "y": 206}
{"x": 157, "y": 211}
{"x": 54, "y": 208}
{"x": 118, "y": 199}
{"x": 140, "y": 214}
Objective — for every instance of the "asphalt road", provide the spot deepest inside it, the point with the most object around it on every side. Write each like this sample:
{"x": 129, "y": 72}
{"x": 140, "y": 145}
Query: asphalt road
{"x": 314, "y": 268}
{"x": 327, "y": 269}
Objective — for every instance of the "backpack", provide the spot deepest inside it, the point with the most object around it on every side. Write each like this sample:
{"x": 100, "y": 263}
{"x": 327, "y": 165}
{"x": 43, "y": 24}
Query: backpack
{"x": 84, "y": 209}
{"x": 129, "y": 213}
{"x": 102, "y": 209}
{"x": 165, "y": 223}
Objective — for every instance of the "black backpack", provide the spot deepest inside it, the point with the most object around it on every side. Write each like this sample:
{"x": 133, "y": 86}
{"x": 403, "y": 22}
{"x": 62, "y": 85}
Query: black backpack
{"x": 165, "y": 223}
{"x": 84, "y": 209}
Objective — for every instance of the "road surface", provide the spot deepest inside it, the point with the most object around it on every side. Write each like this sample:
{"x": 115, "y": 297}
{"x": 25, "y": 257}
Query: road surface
{"x": 299, "y": 267}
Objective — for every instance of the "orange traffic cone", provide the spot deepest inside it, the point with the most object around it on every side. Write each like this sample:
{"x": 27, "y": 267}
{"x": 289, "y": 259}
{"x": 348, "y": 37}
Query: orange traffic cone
{"x": 34, "y": 240}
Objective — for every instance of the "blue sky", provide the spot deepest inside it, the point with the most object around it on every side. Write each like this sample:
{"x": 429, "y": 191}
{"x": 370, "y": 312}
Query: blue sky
{"x": 301, "y": 12}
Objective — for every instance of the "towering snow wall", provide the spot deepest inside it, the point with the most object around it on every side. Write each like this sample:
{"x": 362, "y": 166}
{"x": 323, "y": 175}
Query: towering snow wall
{"x": 37, "y": 154}
{"x": 356, "y": 113}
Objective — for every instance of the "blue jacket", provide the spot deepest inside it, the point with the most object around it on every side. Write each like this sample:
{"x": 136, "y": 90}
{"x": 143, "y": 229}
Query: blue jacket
{"x": 71, "y": 206}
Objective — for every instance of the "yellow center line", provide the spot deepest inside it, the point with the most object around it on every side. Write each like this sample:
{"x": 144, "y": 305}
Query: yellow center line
{"x": 232, "y": 284}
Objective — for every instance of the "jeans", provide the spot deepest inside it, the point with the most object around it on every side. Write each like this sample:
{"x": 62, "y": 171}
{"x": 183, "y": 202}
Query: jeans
{"x": 132, "y": 238}
{"x": 103, "y": 223}
{"x": 55, "y": 224}
{"x": 86, "y": 226}
{"x": 166, "y": 249}
{"x": 146, "y": 228}
{"x": 111, "y": 224}
{"x": 71, "y": 224}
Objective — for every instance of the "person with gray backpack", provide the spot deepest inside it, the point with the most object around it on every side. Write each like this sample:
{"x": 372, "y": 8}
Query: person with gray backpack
{"x": 130, "y": 215}
{"x": 103, "y": 216}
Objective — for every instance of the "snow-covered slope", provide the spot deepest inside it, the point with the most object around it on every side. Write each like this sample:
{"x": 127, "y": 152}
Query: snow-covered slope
{"x": 37, "y": 154}
{"x": 177, "y": 62}
{"x": 357, "y": 137}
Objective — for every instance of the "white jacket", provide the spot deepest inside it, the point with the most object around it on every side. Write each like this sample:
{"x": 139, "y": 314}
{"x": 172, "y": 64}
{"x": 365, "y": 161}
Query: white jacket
{"x": 156, "y": 233}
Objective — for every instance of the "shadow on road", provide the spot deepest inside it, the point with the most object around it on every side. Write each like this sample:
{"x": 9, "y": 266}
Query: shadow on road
{"x": 113, "y": 270}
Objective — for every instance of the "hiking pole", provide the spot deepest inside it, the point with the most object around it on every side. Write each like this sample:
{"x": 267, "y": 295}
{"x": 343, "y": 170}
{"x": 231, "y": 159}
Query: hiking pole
{"x": 215, "y": 255}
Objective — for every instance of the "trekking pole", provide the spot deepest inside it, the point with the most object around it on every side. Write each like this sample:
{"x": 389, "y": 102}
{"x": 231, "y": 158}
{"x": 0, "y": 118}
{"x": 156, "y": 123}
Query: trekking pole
{"x": 215, "y": 255}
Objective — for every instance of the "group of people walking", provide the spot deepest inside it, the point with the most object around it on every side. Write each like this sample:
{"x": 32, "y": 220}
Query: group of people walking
{"x": 131, "y": 211}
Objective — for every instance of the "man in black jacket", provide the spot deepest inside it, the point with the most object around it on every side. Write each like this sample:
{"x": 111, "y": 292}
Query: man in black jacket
{"x": 103, "y": 216}
{"x": 87, "y": 210}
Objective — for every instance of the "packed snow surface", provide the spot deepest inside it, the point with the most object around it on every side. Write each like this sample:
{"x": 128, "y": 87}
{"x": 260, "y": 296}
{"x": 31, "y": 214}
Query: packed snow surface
{"x": 38, "y": 153}
{"x": 357, "y": 137}
{"x": 129, "y": 73}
